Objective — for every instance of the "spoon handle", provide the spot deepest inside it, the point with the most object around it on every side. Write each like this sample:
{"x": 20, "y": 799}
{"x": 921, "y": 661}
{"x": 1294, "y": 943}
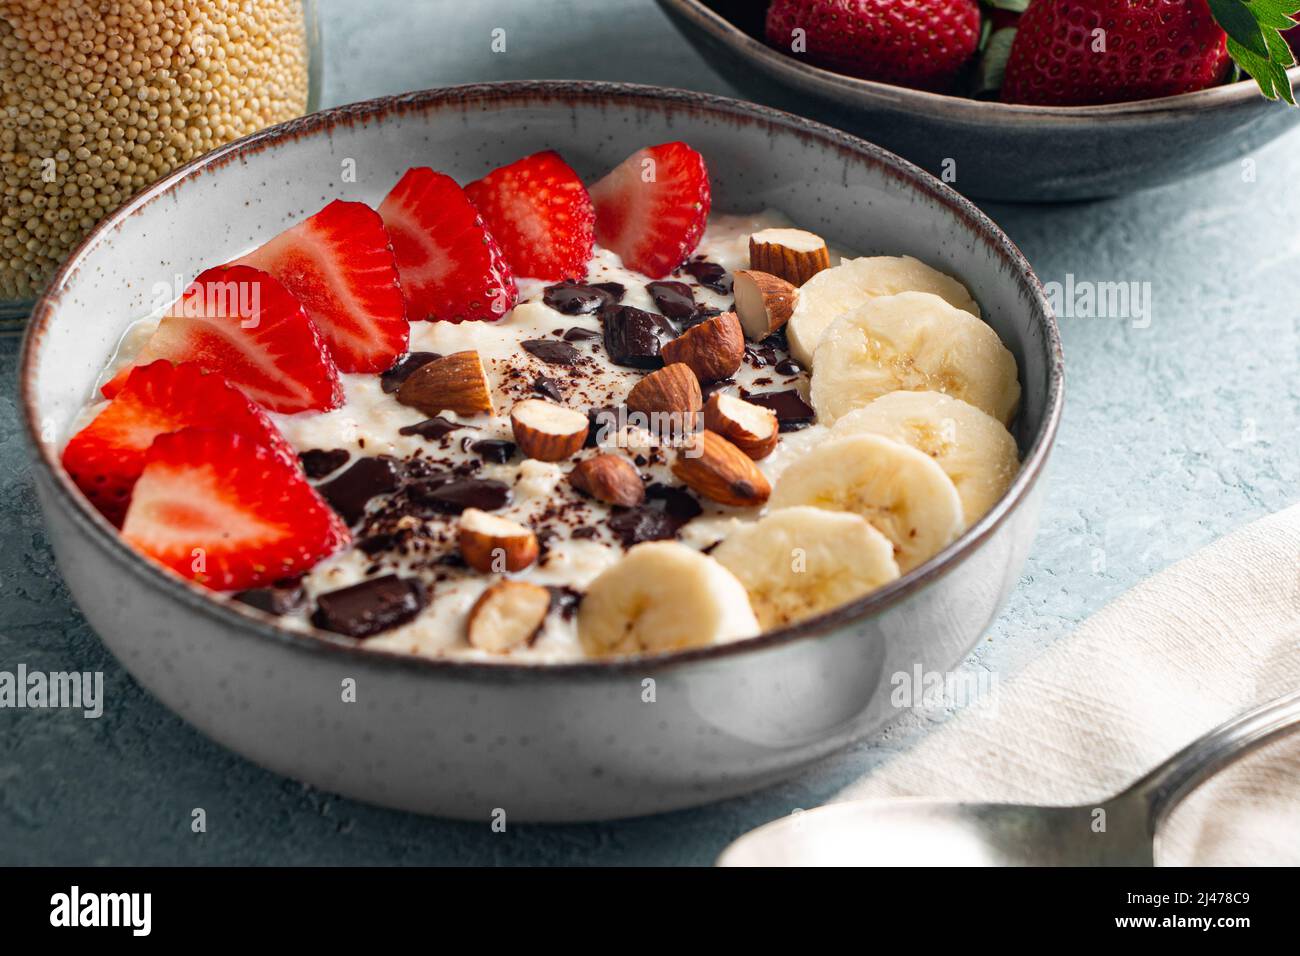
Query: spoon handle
{"x": 1166, "y": 785}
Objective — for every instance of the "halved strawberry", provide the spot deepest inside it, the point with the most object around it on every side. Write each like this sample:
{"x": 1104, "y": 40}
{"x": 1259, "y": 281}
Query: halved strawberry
{"x": 221, "y": 509}
{"x": 241, "y": 322}
{"x": 106, "y": 457}
{"x": 539, "y": 211}
{"x": 450, "y": 266}
{"x": 339, "y": 265}
{"x": 651, "y": 209}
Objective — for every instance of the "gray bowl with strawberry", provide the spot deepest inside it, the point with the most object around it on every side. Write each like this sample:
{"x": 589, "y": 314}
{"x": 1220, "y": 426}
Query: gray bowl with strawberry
{"x": 1022, "y": 100}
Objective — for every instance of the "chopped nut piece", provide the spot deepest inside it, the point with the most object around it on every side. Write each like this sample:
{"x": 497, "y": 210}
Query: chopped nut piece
{"x": 609, "y": 478}
{"x": 751, "y": 428}
{"x": 507, "y": 615}
{"x": 455, "y": 383}
{"x": 546, "y": 431}
{"x": 790, "y": 254}
{"x": 495, "y": 545}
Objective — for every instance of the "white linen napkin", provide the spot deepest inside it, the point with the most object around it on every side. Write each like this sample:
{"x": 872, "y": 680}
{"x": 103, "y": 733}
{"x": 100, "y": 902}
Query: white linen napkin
{"x": 1195, "y": 645}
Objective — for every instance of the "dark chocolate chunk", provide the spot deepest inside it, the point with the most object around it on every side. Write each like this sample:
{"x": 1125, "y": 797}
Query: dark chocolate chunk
{"x": 281, "y": 598}
{"x": 666, "y": 509}
{"x": 454, "y": 495}
{"x": 370, "y": 607}
{"x": 553, "y": 353}
{"x": 707, "y": 391}
{"x": 576, "y": 334}
{"x": 317, "y": 462}
{"x": 792, "y": 412}
{"x": 423, "y": 484}
{"x": 392, "y": 380}
{"x": 700, "y": 314}
{"x": 678, "y": 503}
{"x": 709, "y": 274}
{"x": 789, "y": 367}
{"x": 564, "y": 600}
{"x": 377, "y": 543}
{"x": 349, "y": 493}
{"x": 494, "y": 450}
{"x": 600, "y": 418}
{"x": 435, "y": 427}
{"x": 549, "y": 388}
{"x": 644, "y": 523}
{"x": 674, "y": 299}
{"x": 633, "y": 336}
{"x": 583, "y": 532}
{"x": 572, "y": 298}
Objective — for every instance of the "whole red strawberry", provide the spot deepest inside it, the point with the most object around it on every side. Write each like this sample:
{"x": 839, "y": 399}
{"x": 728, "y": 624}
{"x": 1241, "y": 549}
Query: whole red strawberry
{"x": 1078, "y": 52}
{"x": 1292, "y": 38}
{"x": 917, "y": 43}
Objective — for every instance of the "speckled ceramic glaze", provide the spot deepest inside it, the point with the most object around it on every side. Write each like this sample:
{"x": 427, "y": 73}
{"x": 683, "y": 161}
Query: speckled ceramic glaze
{"x": 560, "y": 742}
{"x": 994, "y": 150}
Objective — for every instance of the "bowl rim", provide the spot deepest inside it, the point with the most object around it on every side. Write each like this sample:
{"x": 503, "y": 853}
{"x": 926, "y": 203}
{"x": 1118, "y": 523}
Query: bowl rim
{"x": 808, "y": 76}
{"x": 565, "y": 93}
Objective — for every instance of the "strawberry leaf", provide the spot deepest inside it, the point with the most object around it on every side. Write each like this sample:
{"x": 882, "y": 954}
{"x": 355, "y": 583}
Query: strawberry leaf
{"x": 1240, "y": 24}
{"x": 1011, "y": 6}
{"x": 993, "y": 64}
{"x": 1278, "y": 14}
{"x": 1255, "y": 41}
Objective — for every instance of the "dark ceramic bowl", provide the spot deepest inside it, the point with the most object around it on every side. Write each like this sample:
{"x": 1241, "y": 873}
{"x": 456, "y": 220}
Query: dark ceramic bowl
{"x": 995, "y": 151}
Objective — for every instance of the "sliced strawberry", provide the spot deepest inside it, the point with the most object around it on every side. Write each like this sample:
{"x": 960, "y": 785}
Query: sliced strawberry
{"x": 221, "y": 509}
{"x": 106, "y": 457}
{"x": 339, "y": 265}
{"x": 651, "y": 209}
{"x": 539, "y": 211}
{"x": 241, "y": 322}
{"x": 450, "y": 266}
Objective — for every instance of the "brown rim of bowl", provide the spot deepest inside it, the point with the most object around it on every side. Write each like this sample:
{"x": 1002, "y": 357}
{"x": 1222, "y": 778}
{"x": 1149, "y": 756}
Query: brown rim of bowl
{"x": 988, "y": 112}
{"x": 564, "y": 93}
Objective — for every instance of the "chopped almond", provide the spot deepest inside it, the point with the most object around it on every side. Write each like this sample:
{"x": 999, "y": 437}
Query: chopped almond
{"x": 794, "y": 255}
{"x": 546, "y": 431}
{"x": 751, "y": 428}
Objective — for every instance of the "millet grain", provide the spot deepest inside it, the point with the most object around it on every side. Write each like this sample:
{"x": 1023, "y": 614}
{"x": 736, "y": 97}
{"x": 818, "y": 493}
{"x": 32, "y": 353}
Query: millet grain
{"x": 99, "y": 98}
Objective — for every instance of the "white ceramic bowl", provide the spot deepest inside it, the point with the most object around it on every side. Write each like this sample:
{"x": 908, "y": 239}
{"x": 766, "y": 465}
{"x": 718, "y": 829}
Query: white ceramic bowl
{"x": 565, "y": 742}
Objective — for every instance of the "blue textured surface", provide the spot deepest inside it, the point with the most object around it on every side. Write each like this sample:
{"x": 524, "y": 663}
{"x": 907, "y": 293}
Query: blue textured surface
{"x": 1173, "y": 435}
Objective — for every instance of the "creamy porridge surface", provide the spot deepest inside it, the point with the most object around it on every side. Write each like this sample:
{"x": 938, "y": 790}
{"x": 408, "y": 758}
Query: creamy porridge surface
{"x": 577, "y": 539}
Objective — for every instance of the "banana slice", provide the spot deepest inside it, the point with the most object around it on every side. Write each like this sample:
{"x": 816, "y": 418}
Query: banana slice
{"x": 902, "y": 492}
{"x": 663, "y": 596}
{"x": 799, "y": 562}
{"x": 832, "y": 292}
{"x": 917, "y": 342}
{"x": 971, "y": 447}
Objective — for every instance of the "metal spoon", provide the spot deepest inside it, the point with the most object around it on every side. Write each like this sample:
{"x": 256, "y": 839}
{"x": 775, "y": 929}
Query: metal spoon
{"x": 917, "y": 832}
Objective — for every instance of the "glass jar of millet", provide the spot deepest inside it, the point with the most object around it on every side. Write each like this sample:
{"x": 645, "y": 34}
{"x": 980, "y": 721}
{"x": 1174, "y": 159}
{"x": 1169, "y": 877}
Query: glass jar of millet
{"x": 100, "y": 98}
